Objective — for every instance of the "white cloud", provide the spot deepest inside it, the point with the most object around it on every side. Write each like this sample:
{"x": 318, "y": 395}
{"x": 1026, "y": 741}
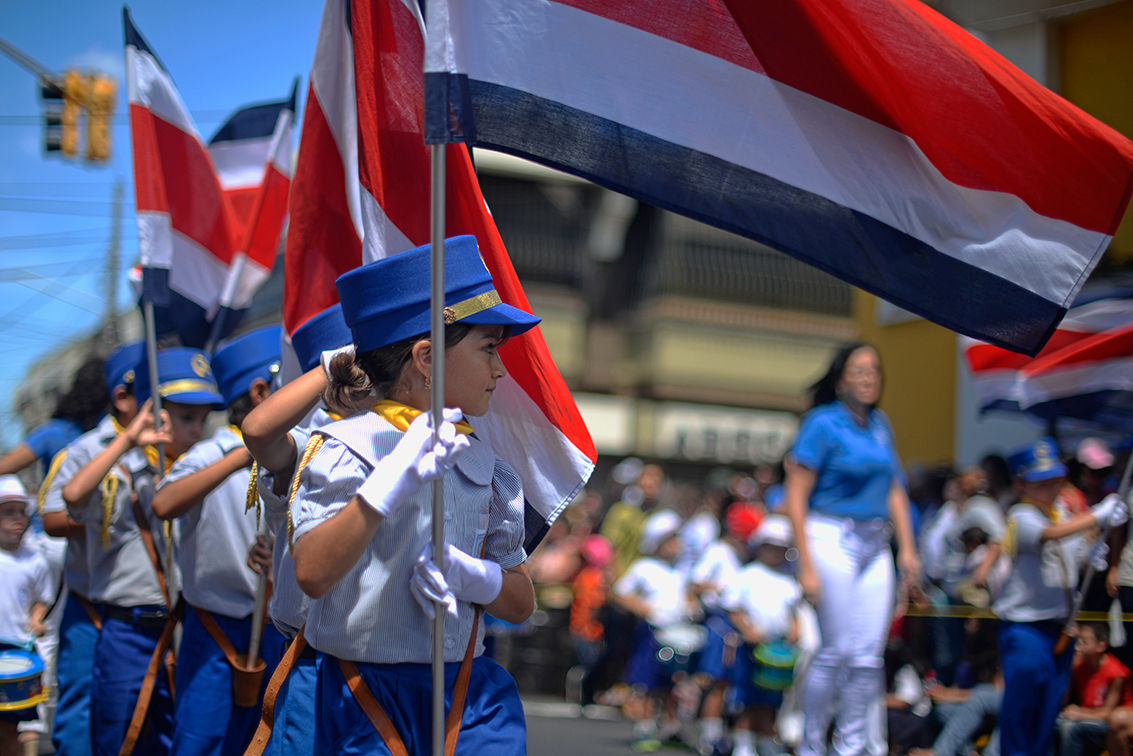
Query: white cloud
{"x": 112, "y": 62}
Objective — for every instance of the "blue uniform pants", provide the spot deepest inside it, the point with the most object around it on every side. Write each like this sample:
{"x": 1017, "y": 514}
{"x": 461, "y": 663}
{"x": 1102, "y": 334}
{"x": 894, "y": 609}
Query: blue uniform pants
{"x": 120, "y": 658}
{"x": 77, "y": 638}
{"x": 208, "y": 723}
{"x": 1034, "y": 681}
{"x": 293, "y": 731}
{"x": 492, "y": 724}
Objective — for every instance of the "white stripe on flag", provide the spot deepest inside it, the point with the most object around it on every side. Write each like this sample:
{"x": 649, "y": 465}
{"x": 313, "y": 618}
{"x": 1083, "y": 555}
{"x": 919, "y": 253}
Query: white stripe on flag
{"x": 769, "y": 127}
{"x": 152, "y": 87}
{"x": 1104, "y": 375}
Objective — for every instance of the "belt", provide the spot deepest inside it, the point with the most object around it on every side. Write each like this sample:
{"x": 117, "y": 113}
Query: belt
{"x": 140, "y": 616}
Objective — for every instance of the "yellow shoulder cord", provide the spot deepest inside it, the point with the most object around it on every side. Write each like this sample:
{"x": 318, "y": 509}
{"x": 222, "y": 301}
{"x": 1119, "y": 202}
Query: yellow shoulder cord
{"x": 109, "y": 488}
{"x": 253, "y": 499}
{"x": 52, "y": 471}
{"x": 314, "y": 443}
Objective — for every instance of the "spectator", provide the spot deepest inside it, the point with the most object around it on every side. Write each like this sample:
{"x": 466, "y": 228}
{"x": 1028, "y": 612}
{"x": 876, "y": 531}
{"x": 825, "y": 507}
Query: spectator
{"x": 591, "y": 587}
{"x": 1100, "y": 683}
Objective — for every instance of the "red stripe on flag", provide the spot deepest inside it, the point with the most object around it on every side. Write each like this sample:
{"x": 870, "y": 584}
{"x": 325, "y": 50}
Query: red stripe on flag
{"x": 1096, "y": 348}
{"x": 321, "y": 240}
{"x": 982, "y": 356}
{"x": 982, "y": 122}
{"x": 173, "y": 174}
{"x": 242, "y": 203}
{"x": 263, "y": 236}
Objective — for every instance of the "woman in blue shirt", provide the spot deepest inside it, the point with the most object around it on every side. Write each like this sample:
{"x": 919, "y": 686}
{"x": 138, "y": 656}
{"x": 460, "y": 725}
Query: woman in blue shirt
{"x": 845, "y": 496}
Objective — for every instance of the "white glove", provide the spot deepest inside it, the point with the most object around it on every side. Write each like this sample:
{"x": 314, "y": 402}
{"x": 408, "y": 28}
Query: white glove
{"x": 328, "y": 356}
{"x": 477, "y": 581}
{"x": 429, "y": 587}
{"x": 1097, "y": 557}
{"x": 413, "y": 462}
{"x": 1110, "y": 512}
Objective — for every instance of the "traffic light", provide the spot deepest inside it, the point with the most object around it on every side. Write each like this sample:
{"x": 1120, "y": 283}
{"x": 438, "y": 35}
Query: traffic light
{"x": 52, "y": 95}
{"x": 74, "y": 96}
{"x": 100, "y": 106}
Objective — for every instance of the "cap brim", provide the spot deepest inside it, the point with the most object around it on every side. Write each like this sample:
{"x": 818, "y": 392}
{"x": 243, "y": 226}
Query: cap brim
{"x": 1040, "y": 475}
{"x": 195, "y": 397}
{"x": 516, "y": 319}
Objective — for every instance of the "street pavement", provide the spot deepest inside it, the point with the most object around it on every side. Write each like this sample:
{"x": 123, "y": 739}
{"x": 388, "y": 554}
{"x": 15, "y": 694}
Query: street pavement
{"x": 555, "y": 728}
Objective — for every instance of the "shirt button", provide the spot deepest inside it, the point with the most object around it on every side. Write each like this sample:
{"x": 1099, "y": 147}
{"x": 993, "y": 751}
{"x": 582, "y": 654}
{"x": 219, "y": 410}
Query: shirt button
{"x": 448, "y": 516}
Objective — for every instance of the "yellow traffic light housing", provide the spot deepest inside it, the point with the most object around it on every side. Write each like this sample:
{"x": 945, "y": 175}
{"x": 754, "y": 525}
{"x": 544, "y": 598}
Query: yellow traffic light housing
{"x": 100, "y": 106}
{"x": 74, "y": 95}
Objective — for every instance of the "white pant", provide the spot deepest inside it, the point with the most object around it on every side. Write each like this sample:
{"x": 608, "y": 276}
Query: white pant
{"x": 855, "y": 567}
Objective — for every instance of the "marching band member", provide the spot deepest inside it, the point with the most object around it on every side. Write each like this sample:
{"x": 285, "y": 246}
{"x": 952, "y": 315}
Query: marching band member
{"x": 206, "y": 492}
{"x": 133, "y": 584}
{"x": 362, "y": 517}
{"x": 79, "y": 626}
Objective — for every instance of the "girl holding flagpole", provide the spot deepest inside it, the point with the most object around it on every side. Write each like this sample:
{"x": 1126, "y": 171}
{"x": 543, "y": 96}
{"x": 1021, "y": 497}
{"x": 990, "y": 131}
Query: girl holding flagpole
{"x": 362, "y": 520}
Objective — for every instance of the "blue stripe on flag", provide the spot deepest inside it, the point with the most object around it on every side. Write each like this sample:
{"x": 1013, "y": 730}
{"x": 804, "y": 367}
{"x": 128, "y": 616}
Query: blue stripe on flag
{"x": 850, "y": 245}
{"x": 174, "y": 313}
{"x": 135, "y": 39}
{"x": 252, "y": 122}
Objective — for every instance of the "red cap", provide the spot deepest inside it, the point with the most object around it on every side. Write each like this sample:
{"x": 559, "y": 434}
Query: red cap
{"x": 742, "y": 519}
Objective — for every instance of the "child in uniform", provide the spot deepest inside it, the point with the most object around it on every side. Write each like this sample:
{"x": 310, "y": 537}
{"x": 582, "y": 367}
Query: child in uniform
{"x": 24, "y": 593}
{"x": 275, "y": 439}
{"x": 133, "y": 583}
{"x": 710, "y": 576}
{"x": 654, "y": 591}
{"x": 206, "y": 491}
{"x": 1047, "y": 546}
{"x": 362, "y": 516}
{"x": 762, "y": 602}
{"x": 78, "y": 629}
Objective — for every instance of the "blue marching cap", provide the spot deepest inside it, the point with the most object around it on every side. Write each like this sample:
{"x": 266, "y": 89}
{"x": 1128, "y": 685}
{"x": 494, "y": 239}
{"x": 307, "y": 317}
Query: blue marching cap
{"x": 183, "y": 375}
{"x": 244, "y": 359}
{"x": 327, "y": 330}
{"x": 387, "y": 300}
{"x": 1036, "y": 461}
{"x": 122, "y": 366}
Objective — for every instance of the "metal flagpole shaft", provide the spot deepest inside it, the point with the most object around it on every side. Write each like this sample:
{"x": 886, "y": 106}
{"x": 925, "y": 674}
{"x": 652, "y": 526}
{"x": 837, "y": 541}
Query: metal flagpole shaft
{"x": 258, "y": 612}
{"x": 1087, "y": 578}
{"x": 151, "y": 359}
{"x": 437, "y": 341}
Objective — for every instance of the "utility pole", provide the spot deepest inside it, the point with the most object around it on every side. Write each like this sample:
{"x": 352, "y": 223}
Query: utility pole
{"x": 110, "y": 335}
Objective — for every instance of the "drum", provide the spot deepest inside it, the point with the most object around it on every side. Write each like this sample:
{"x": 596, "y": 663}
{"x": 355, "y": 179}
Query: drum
{"x": 774, "y": 667}
{"x": 21, "y": 684}
{"x": 677, "y": 643}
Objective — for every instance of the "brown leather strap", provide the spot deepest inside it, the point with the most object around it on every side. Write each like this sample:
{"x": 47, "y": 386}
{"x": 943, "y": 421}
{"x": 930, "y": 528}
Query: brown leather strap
{"x": 88, "y": 607}
{"x": 278, "y": 677}
{"x": 218, "y": 636}
{"x": 372, "y": 709}
{"x": 460, "y": 690}
{"x": 146, "y": 693}
{"x": 147, "y": 539}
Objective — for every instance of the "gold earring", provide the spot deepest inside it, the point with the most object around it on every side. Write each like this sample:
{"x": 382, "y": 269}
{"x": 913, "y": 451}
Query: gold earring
{"x": 428, "y": 383}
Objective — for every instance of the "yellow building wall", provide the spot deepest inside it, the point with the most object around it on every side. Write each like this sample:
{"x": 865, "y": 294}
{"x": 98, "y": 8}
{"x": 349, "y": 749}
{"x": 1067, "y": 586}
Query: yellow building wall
{"x": 1096, "y": 63}
{"x": 919, "y": 360}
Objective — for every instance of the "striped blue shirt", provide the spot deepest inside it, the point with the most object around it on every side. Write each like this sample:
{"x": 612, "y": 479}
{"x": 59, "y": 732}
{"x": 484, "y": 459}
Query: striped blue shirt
{"x": 370, "y": 615}
{"x": 214, "y": 536}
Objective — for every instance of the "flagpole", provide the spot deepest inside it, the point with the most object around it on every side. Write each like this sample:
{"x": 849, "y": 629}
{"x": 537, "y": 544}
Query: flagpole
{"x": 155, "y": 394}
{"x": 437, "y": 340}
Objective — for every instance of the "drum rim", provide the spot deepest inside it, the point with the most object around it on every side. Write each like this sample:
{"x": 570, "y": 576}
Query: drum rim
{"x": 36, "y": 668}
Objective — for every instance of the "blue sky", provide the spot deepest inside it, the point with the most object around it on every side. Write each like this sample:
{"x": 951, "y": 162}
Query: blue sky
{"x": 55, "y": 214}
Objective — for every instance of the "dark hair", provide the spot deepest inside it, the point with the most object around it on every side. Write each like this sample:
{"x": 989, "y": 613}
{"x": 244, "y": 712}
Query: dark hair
{"x": 825, "y": 389}
{"x": 239, "y": 408}
{"x": 1101, "y": 631}
{"x": 85, "y": 402}
{"x": 354, "y": 379}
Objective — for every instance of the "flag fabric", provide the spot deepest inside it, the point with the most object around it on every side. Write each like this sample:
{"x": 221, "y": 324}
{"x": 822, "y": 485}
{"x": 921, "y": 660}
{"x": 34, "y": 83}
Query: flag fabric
{"x": 873, "y": 139}
{"x": 362, "y": 191}
{"x": 189, "y": 236}
{"x": 998, "y": 375}
{"x": 252, "y": 152}
{"x": 1090, "y": 379}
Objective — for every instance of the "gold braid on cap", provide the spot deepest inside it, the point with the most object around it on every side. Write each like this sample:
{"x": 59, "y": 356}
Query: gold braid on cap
{"x": 253, "y": 498}
{"x": 52, "y": 471}
{"x": 314, "y": 443}
{"x": 471, "y": 306}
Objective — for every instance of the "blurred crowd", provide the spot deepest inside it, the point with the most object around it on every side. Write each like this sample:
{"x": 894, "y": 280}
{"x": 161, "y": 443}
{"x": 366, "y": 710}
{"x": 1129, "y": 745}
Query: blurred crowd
{"x": 667, "y": 578}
